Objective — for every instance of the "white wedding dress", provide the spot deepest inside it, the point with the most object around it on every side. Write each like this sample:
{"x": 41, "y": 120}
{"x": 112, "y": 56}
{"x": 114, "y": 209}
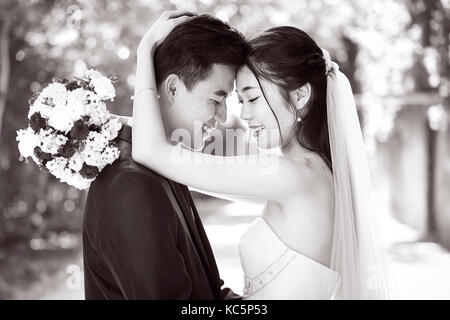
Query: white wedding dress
{"x": 273, "y": 271}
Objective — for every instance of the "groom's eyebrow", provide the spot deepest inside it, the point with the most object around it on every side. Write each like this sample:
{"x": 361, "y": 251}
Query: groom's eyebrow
{"x": 221, "y": 93}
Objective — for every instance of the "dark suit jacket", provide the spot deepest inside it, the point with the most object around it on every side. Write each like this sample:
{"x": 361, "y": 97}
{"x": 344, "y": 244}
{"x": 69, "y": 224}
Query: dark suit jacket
{"x": 143, "y": 238}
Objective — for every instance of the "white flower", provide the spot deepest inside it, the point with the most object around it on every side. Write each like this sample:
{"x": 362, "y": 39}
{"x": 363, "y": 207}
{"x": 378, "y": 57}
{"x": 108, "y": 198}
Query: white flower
{"x": 36, "y": 160}
{"x": 92, "y": 74}
{"x": 80, "y": 182}
{"x": 110, "y": 154}
{"x": 57, "y": 92}
{"x": 67, "y": 175}
{"x": 104, "y": 88}
{"x": 75, "y": 109}
{"x": 57, "y": 167}
{"x": 76, "y": 102}
{"x": 76, "y": 162}
{"x": 81, "y": 102}
{"x": 92, "y": 158}
{"x": 79, "y": 94}
{"x": 60, "y": 140}
{"x": 92, "y": 97}
{"x": 96, "y": 141}
{"x": 111, "y": 128}
{"x": 51, "y": 142}
{"x": 28, "y": 140}
{"x": 93, "y": 148}
{"x": 97, "y": 113}
{"x": 43, "y": 109}
{"x": 60, "y": 119}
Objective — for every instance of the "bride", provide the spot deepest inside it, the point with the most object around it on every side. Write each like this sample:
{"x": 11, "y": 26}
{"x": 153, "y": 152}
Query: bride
{"x": 317, "y": 237}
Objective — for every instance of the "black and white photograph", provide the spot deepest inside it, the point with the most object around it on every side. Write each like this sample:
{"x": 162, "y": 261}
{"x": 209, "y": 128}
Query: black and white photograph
{"x": 225, "y": 150}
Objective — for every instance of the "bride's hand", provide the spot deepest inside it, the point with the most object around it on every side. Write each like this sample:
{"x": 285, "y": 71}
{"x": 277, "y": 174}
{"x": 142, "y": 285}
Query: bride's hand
{"x": 162, "y": 27}
{"x": 124, "y": 120}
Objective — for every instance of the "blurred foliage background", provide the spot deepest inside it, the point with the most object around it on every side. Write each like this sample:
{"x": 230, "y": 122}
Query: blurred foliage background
{"x": 395, "y": 53}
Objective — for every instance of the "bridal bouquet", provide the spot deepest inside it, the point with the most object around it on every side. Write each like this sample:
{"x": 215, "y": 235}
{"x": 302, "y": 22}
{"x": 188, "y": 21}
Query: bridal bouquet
{"x": 70, "y": 131}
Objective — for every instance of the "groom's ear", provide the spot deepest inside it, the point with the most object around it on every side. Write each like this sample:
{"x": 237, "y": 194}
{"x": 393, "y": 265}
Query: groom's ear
{"x": 171, "y": 86}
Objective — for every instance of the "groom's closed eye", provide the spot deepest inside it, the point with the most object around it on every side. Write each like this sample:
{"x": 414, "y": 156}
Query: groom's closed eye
{"x": 221, "y": 94}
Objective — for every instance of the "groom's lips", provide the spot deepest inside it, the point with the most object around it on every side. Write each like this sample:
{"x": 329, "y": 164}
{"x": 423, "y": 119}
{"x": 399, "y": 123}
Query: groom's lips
{"x": 206, "y": 132}
{"x": 206, "y": 128}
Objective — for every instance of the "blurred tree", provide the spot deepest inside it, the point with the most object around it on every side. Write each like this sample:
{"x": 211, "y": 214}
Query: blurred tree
{"x": 4, "y": 63}
{"x": 16, "y": 199}
{"x": 432, "y": 73}
{"x": 433, "y": 20}
{"x": 13, "y": 13}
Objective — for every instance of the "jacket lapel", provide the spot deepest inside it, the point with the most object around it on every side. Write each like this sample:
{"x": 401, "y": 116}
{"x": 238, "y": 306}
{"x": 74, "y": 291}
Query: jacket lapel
{"x": 176, "y": 205}
{"x": 188, "y": 215}
{"x": 206, "y": 243}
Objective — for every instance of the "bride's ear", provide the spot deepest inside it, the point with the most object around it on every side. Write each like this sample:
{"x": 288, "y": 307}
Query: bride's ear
{"x": 171, "y": 86}
{"x": 300, "y": 96}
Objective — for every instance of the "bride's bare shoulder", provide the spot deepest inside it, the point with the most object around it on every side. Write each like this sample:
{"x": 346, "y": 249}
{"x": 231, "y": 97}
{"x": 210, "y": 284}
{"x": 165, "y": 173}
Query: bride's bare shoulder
{"x": 317, "y": 176}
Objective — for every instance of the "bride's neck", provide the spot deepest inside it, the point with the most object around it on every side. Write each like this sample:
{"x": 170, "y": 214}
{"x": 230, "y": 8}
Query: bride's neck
{"x": 293, "y": 150}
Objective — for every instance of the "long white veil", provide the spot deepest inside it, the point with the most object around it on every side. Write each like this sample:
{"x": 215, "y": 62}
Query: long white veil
{"x": 358, "y": 254}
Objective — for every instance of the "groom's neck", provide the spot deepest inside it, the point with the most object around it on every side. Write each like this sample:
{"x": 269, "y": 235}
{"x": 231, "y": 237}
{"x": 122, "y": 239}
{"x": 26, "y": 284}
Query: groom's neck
{"x": 164, "y": 107}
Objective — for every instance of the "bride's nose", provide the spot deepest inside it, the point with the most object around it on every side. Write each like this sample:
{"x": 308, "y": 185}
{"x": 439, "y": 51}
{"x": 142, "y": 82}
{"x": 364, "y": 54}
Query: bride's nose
{"x": 246, "y": 113}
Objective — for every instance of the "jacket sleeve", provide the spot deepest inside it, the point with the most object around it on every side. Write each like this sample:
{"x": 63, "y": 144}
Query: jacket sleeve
{"x": 228, "y": 294}
{"x": 137, "y": 237}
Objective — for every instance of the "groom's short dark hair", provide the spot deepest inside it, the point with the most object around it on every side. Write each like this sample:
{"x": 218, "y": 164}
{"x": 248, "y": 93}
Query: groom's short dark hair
{"x": 191, "y": 49}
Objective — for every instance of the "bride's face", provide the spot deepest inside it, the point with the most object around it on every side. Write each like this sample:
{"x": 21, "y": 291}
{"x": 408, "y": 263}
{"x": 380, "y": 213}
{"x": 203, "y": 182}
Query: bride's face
{"x": 272, "y": 127}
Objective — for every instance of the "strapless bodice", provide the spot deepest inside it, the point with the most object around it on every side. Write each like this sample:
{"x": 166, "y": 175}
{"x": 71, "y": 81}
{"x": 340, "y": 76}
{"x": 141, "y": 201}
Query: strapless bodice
{"x": 274, "y": 271}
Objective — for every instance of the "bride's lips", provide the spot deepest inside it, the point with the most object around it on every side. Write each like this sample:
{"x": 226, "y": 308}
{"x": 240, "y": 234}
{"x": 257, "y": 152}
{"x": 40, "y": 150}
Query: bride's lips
{"x": 255, "y": 130}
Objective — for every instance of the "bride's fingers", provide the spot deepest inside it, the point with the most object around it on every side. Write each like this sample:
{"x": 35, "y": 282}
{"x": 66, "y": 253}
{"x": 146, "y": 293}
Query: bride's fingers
{"x": 181, "y": 19}
{"x": 122, "y": 119}
{"x": 165, "y": 24}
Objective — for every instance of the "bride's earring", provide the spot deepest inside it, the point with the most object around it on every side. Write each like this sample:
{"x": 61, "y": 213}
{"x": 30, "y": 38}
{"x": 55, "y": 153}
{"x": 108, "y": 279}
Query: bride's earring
{"x": 299, "y": 118}
{"x": 300, "y": 105}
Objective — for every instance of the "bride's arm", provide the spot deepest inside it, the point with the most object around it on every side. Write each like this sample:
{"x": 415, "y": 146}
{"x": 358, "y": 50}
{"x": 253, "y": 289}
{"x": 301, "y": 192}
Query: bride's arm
{"x": 234, "y": 198}
{"x": 125, "y": 120}
{"x": 259, "y": 176}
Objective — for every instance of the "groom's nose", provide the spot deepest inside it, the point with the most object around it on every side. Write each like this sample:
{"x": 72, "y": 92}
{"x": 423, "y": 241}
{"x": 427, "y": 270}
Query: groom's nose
{"x": 221, "y": 112}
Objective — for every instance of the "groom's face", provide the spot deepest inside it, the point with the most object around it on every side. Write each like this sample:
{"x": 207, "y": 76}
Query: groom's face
{"x": 192, "y": 114}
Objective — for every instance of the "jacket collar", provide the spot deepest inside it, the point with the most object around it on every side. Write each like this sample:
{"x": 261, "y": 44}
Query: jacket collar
{"x": 125, "y": 134}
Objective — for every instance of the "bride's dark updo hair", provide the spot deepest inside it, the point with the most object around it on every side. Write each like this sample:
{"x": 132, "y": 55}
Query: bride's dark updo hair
{"x": 289, "y": 58}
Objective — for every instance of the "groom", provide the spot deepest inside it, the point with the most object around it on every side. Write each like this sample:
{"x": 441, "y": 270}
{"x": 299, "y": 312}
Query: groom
{"x": 142, "y": 235}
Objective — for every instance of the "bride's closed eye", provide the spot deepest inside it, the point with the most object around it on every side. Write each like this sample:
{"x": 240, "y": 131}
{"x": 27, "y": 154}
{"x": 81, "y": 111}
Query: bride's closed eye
{"x": 250, "y": 100}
